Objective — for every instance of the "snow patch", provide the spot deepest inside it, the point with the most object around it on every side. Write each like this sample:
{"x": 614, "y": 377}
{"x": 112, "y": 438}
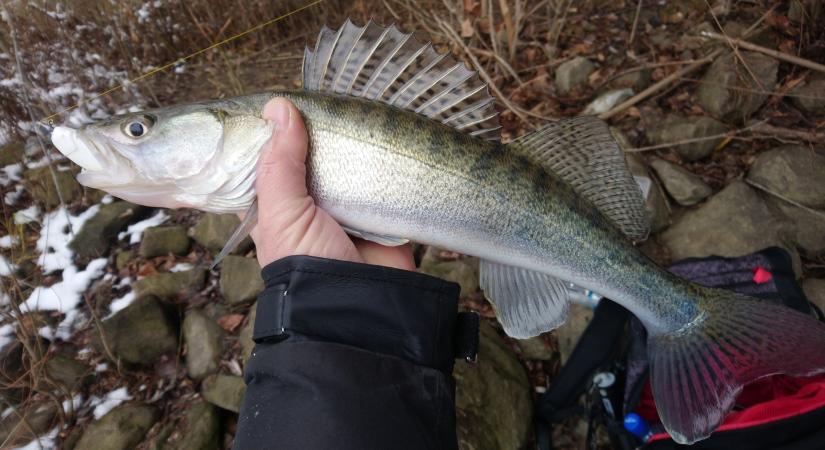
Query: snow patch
{"x": 46, "y": 442}
{"x": 55, "y": 236}
{"x": 12, "y": 197}
{"x": 120, "y": 303}
{"x": 135, "y": 231}
{"x": 6, "y": 268}
{"x": 28, "y": 215}
{"x": 6, "y": 335}
{"x": 11, "y": 173}
{"x": 109, "y": 402}
{"x": 8, "y": 241}
{"x": 181, "y": 267}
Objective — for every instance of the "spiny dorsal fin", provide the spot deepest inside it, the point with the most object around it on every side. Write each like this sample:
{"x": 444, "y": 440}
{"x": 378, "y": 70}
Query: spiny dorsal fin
{"x": 392, "y": 67}
{"x": 582, "y": 152}
{"x": 527, "y": 303}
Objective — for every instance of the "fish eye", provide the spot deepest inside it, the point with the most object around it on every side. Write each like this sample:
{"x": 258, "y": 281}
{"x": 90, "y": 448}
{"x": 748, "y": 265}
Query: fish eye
{"x": 138, "y": 127}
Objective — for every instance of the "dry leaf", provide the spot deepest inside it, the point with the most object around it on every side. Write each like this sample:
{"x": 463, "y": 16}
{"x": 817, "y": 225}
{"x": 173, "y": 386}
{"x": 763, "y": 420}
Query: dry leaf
{"x": 231, "y": 322}
{"x": 466, "y": 28}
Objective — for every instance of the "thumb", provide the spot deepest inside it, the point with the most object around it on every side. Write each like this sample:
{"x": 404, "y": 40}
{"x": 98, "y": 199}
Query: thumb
{"x": 281, "y": 173}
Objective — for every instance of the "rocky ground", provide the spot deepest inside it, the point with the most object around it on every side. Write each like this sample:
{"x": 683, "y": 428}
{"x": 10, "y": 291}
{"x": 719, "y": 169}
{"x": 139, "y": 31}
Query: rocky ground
{"x": 115, "y": 334}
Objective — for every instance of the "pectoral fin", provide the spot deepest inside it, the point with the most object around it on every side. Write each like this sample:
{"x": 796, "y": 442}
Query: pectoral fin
{"x": 389, "y": 241}
{"x": 247, "y": 224}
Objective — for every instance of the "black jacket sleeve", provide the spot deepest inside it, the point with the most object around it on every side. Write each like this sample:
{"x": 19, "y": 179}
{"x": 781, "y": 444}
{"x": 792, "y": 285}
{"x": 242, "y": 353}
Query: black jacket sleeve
{"x": 352, "y": 356}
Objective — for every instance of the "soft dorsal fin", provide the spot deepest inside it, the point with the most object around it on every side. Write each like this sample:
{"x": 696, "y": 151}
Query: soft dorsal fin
{"x": 392, "y": 67}
{"x": 582, "y": 152}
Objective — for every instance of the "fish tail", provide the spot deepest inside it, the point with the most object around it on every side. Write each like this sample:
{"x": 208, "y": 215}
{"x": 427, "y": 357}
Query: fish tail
{"x": 698, "y": 371}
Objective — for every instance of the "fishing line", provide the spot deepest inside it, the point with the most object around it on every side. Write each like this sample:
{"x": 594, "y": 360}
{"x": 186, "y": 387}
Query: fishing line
{"x": 48, "y": 120}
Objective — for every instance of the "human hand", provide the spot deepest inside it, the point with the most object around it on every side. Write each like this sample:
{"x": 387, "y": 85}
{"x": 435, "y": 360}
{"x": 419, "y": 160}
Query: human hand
{"x": 289, "y": 221}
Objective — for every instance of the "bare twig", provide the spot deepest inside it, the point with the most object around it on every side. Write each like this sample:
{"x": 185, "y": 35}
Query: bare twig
{"x": 785, "y": 199}
{"x": 808, "y": 136}
{"x": 675, "y": 76}
{"x": 635, "y": 23}
{"x": 767, "y": 51}
{"x": 692, "y": 140}
{"x": 661, "y": 84}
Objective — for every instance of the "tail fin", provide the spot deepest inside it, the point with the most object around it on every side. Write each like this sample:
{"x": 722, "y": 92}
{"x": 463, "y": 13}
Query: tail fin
{"x": 698, "y": 371}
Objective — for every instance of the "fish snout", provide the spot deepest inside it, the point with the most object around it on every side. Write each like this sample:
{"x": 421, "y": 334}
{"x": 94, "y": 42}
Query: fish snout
{"x": 72, "y": 145}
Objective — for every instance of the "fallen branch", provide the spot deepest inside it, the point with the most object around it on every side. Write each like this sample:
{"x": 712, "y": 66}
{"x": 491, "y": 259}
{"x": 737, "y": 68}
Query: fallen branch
{"x": 777, "y": 132}
{"x": 675, "y": 76}
{"x": 770, "y": 52}
{"x": 785, "y": 199}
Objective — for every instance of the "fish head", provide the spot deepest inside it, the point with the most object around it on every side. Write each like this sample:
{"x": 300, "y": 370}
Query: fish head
{"x": 200, "y": 155}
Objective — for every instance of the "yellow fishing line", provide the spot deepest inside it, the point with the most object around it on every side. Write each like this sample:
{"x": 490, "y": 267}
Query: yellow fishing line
{"x": 47, "y": 120}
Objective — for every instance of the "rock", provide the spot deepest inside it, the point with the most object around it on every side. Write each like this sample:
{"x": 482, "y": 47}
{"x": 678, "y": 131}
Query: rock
{"x": 204, "y": 344}
{"x": 685, "y": 187}
{"x": 734, "y": 222}
{"x": 168, "y": 285}
{"x": 656, "y": 205}
{"x": 141, "y": 332}
{"x": 12, "y": 153}
{"x": 808, "y": 96}
{"x": 41, "y": 186}
{"x": 68, "y": 373}
{"x": 637, "y": 80}
{"x": 122, "y": 258}
{"x": 815, "y": 291}
{"x": 39, "y": 419}
{"x": 677, "y": 129}
{"x": 536, "y": 348}
{"x": 245, "y": 336}
{"x": 573, "y": 74}
{"x": 793, "y": 171}
{"x": 240, "y": 279}
{"x": 160, "y": 241}
{"x": 728, "y": 89}
{"x": 493, "y": 397}
{"x": 461, "y": 271}
{"x": 122, "y": 428}
{"x": 200, "y": 429}
{"x": 96, "y": 236}
{"x": 225, "y": 391}
{"x": 808, "y": 227}
{"x": 569, "y": 333}
{"x": 606, "y": 101}
{"x": 213, "y": 230}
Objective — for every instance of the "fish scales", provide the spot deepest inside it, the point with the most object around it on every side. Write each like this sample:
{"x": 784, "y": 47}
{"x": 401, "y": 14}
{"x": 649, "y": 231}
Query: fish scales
{"x": 395, "y": 170}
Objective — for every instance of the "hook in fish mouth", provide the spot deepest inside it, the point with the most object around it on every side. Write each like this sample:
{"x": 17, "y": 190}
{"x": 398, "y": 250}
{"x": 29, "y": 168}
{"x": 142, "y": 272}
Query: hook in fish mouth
{"x": 80, "y": 151}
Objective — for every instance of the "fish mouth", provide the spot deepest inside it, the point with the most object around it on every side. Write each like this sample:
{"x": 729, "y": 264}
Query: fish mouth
{"x": 80, "y": 151}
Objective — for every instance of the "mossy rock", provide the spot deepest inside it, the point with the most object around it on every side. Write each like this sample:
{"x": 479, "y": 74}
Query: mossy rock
{"x": 204, "y": 344}
{"x": 241, "y": 280}
{"x": 199, "y": 430}
{"x": 213, "y": 230}
{"x": 168, "y": 285}
{"x": 12, "y": 153}
{"x": 494, "y": 405}
{"x": 160, "y": 241}
{"x": 41, "y": 186}
{"x": 141, "y": 332}
{"x": 224, "y": 391}
{"x": 122, "y": 428}
{"x": 97, "y": 235}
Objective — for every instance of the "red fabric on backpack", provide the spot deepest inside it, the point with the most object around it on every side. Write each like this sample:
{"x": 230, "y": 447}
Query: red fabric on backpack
{"x": 767, "y": 400}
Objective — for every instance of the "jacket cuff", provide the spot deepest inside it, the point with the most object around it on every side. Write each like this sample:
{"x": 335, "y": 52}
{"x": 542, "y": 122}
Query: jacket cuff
{"x": 381, "y": 309}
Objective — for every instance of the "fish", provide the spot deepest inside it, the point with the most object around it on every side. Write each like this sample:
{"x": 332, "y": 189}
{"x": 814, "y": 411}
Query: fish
{"x": 405, "y": 145}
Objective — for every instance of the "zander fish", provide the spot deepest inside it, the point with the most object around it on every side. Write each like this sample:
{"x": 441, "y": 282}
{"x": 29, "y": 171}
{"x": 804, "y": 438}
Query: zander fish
{"x": 404, "y": 146}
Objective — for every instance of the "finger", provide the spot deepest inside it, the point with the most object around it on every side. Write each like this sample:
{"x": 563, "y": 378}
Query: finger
{"x": 399, "y": 257}
{"x": 281, "y": 176}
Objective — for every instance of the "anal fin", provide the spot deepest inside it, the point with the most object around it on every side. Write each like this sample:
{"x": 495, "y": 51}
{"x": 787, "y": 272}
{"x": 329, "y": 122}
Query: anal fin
{"x": 527, "y": 303}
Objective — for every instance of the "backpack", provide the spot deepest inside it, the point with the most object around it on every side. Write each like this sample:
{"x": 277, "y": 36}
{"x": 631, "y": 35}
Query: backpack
{"x": 609, "y": 365}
